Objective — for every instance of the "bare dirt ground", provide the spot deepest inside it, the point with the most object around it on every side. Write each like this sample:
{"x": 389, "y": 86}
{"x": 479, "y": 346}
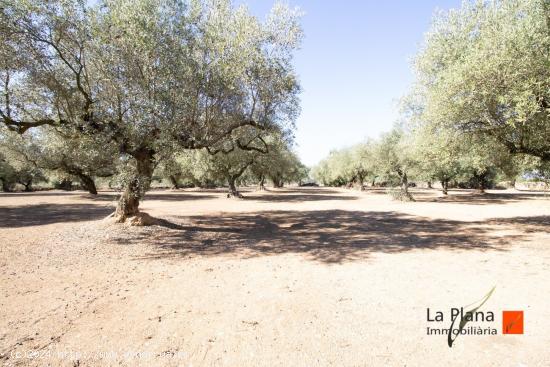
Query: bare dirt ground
{"x": 289, "y": 277}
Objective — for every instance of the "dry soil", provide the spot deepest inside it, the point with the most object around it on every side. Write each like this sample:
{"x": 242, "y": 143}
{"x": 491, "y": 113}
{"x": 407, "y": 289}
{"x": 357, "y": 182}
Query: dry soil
{"x": 287, "y": 277}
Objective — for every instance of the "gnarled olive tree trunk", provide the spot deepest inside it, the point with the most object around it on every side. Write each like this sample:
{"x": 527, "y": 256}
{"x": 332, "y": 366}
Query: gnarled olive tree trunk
{"x": 136, "y": 186}
{"x": 6, "y": 185}
{"x": 404, "y": 186}
{"x": 261, "y": 184}
{"x": 28, "y": 185}
{"x": 481, "y": 181}
{"x": 277, "y": 181}
{"x": 233, "y": 192}
{"x": 87, "y": 182}
{"x": 232, "y": 180}
{"x": 445, "y": 186}
{"x": 174, "y": 182}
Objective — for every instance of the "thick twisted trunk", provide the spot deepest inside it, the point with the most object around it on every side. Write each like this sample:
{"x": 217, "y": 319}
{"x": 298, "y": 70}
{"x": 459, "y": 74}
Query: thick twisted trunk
{"x": 135, "y": 188}
{"x": 232, "y": 179}
{"x": 28, "y": 185}
{"x": 482, "y": 184}
{"x": 404, "y": 187}
{"x": 174, "y": 182}
{"x": 445, "y": 186}
{"x": 86, "y": 180}
{"x": 277, "y": 182}
{"x": 262, "y": 183}
{"x": 232, "y": 187}
{"x": 404, "y": 184}
{"x": 88, "y": 183}
{"x": 361, "y": 181}
{"x": 481, "y": 181}
{"x": 6, "y": 187}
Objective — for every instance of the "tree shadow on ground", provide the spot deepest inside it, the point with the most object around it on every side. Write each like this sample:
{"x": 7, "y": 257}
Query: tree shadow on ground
{"x": 292, "y": 198}
{"x": 35, "y": 215}
{"x": 155, "y": 196}
{"x": 474, "y": 198}
{"x": 304, "y": 190}
{"x": 464, "y": 196}
{"x": 46, "y": 193}
{"x": 331, "y": 236}
{"x": 539, "y": 223}
{"x": 179, "y": 197}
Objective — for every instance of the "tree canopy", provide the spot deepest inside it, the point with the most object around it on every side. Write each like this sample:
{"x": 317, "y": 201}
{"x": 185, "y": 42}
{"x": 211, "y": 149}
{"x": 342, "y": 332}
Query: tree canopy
{"x": 151, "y": 76}
{"x": 485, "y": 68}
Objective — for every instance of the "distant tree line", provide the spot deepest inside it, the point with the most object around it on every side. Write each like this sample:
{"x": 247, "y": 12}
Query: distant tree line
{"x": 479, "y": 110}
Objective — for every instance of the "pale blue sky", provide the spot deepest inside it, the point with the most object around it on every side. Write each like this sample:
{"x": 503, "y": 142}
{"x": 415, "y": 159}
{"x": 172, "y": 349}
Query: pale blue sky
{"x": 353, "y": 66}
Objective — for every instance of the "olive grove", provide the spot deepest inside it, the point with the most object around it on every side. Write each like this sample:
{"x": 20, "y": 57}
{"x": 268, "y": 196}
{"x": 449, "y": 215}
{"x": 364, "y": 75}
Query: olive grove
{"x": 149, "y": 78}
{"x": 207, "y": 168}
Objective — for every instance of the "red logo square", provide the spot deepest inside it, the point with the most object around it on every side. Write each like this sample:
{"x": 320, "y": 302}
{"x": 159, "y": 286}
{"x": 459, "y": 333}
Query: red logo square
{"x": 512, "y": 322}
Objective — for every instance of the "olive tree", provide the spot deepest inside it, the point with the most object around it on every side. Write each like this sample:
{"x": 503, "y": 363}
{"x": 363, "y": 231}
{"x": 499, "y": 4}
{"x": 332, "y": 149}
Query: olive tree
{"x": 230, "y": 167}
{"x": 395, "y": 159}
{"x": 484, "y": 159}
{"x": 438, "y": 152}
{"x": 17, "y": 164}
{"x": 84, "y": 157}
{"x": 322, "y": 173}
{"x": 277, "y": 163}
{"x": 217, "y": 168}
{"x": 18, "y": 172}
{"x": 358, "y": 164}
{"x": 76, "y": 156}
{"x": 148, "y": 75}
{"x": 484, "y": 68}
{"x": 347, "y": 166}
{"x": 281, "y": 166}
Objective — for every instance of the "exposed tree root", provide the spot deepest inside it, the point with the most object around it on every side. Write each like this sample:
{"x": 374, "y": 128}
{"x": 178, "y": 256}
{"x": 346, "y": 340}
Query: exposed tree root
{"x": 234, "y": 195}
{"x": 138, "y": 220}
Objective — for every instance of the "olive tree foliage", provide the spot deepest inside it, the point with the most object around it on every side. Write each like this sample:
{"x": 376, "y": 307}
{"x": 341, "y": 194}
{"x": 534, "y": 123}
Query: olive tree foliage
{"x": 279, "y": 164}
{"x": 17, "y": 162}
{"x": 7, "y": 174}
{"x": 286, "y": 169}
{"x": 483, "y": 160}
{"x": 171, "y": 169}
{"x": 471, "y": 159}
{"x": 152, "y": 76}
{"x": 438, "y": 152}
{"x": 207, "y": 168}
{"x": 70, "y": 156}
{"x": 82, "y": 157}
{"x": 321, "y": 172}
{"x": 540, "y": 171}
{"x": 189, "y": 168}
{"x": 396, "y": 161}
{"x": 347, "y": 167}
{"x": 389, "y": 159}
{"x": 485, "y": 68}
{"x": 17, "y": 171}
{"x": 230, "y": 167}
